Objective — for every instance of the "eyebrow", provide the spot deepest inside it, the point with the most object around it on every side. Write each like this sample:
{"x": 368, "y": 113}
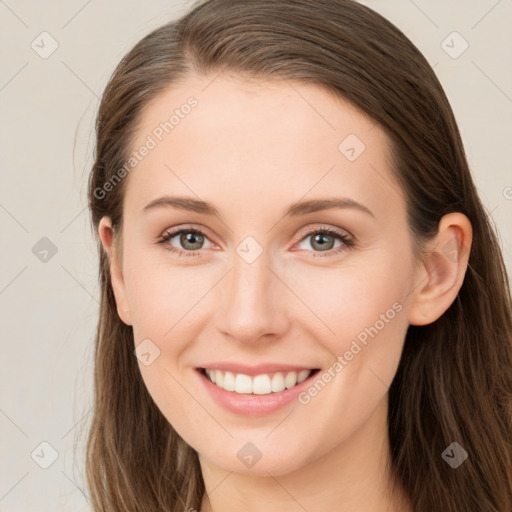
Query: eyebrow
{"x": 294, "y": 210}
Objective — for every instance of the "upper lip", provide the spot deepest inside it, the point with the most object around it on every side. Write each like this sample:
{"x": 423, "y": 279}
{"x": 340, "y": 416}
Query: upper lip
{"x": 257, "y": 369}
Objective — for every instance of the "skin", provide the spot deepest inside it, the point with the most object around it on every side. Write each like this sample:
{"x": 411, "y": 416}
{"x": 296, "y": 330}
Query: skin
{"x": 252, "y": 148}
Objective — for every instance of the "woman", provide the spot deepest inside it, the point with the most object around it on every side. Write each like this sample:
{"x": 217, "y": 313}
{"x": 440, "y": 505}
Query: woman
{"x": 304, "y": 305}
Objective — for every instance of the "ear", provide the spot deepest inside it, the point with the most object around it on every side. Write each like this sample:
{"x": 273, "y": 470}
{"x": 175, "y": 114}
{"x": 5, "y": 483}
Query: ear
{"x": 440, "y": 275}
{"x": 106, "y": 235}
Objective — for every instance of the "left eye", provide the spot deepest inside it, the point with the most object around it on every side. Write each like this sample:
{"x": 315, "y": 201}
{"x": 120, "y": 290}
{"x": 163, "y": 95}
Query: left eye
{"x": 192, "y": 240}
{"x": 324, "y": 240}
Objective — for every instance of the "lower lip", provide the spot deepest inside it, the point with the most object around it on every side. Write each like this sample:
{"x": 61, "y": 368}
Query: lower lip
{"x": 250, "y": 404}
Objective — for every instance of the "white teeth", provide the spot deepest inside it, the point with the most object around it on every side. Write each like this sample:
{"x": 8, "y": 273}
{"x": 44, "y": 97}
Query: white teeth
{"x": 260, "y": 384}
{"x": 303, "y": 375}
{"x": 278, "y": 382}
{"x": 290, "y": 380}
{"x": 229, "y": 381}
{"x": 219, "y": 378}
{"x": 243, "y": 383}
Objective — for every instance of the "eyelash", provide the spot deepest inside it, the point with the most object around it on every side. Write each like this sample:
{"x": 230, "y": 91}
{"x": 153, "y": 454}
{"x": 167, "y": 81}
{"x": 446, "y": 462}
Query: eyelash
{"x": 347, "y": 241}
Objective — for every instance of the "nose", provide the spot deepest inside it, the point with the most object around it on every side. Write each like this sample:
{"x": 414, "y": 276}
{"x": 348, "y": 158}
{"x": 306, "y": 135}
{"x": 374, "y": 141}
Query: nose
{"x": 252, "y": 302}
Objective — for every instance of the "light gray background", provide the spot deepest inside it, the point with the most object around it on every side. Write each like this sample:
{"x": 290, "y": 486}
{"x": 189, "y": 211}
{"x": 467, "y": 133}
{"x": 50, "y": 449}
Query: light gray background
{"x": 49, "y": 309}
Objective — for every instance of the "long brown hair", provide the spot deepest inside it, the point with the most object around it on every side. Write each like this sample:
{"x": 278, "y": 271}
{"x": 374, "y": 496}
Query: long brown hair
{"x": 454, "y": 380}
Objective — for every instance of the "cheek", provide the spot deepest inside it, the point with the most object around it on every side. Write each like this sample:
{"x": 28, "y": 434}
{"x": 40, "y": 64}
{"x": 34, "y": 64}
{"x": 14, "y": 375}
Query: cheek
{"x": 162, "y": 299}
{"x": 160, "y": 295}
{"x": 360, "y": 315}
{"x": 353, "y": 296}
{"x": 362, "y": 309}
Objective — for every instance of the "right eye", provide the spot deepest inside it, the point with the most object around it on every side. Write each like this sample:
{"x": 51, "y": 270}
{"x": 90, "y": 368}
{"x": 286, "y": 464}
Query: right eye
{"x": 186, "y": 237}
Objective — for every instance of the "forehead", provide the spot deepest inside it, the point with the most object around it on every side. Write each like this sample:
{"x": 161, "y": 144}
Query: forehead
{"x": 281, "y": 104}
{"x": 212, "y": 135}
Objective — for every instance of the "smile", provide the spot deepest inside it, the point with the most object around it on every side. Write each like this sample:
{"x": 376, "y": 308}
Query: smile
{"x": 263, "y": 384}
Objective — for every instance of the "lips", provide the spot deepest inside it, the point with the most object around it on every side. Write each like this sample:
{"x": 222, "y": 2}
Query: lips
{"x": 254, "y": 390}
{"x": 251, "y": 394}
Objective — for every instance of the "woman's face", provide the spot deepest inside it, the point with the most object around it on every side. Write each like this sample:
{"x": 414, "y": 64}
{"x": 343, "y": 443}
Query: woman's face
{"x": 263, "y": 287}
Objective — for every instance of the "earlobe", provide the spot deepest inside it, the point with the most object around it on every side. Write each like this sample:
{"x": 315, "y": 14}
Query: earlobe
{"x": 441, "y": 273}
{"x": 106, "y": 235}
